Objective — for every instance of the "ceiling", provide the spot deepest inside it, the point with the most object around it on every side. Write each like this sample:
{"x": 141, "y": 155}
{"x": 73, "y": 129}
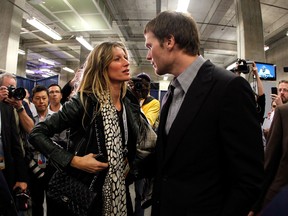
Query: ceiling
{"x": 124, "y": 20}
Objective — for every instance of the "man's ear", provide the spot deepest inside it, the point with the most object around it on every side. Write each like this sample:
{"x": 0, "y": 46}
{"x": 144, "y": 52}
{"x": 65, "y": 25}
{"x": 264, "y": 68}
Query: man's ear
{"x": 170, "y": 42}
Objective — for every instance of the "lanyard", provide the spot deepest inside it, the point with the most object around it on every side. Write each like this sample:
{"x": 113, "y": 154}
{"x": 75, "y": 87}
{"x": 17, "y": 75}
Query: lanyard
{"x": 125, "y": 125}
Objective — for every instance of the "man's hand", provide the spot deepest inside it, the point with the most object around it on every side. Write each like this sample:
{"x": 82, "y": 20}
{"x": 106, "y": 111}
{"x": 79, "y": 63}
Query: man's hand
{"x": 277, "y": 99}
{"x": 22, "y": 185}
{"x": 3, "y": 93}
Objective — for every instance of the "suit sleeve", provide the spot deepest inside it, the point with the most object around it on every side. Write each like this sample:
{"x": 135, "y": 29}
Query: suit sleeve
{"x": 242, "y": 147}
{"x": 17, "y": 152}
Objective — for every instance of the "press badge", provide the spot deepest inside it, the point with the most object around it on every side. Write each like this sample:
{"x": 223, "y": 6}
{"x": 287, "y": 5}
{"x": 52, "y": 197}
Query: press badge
{"x": 41, "y": 160}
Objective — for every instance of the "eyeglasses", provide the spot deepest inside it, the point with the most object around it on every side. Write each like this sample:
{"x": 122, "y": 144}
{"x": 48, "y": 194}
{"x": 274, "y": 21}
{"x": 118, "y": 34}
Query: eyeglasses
{"x": 283, "y": 90}
{"x": 52, "y": 92}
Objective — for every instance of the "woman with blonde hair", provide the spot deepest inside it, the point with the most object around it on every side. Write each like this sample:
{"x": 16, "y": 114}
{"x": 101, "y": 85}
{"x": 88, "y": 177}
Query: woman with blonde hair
{"x": 107, "y": 117}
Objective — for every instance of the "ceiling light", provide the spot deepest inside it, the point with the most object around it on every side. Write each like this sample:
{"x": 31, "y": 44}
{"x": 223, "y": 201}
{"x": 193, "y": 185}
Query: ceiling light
{"x": 84, "y": 43}
{"x": 44, "y": 28}
{"x": 68, "y": 69}
{"x": 21, "y": 52}
{"x": 46, "y": 61}
{"x": 29, "y": 71}
{"x": 287, "y": 33}
{"x": 182, "y": 5}
{"x": 266, "y": 47}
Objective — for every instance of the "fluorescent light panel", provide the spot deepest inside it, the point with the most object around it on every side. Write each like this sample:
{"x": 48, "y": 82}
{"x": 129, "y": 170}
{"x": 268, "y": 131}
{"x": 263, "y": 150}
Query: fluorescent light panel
{"x": 44, "y": 28}
{"x": 46, "y": 61}
{"x": 68, "y": 69}
{"x": 84, "y": 43}
{"x": 29, "y": 71}
{"x": 21, "y": 52}
{"x": 182, "y": 5}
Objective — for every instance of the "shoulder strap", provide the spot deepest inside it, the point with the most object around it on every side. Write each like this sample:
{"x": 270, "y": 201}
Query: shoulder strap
{"x": 148, "y": 100}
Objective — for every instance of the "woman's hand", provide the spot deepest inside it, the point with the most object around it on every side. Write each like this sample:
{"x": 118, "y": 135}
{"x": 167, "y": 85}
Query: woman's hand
{"x": 88, "y": 163}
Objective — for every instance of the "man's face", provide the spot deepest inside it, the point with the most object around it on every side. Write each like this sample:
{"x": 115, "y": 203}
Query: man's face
{"x": 55, "y": 95}
{"x": 40, "y": 100}
{"x": 283, "y": 92}
{"x": 157, "y": 55}
{"x": 9, "y": 81}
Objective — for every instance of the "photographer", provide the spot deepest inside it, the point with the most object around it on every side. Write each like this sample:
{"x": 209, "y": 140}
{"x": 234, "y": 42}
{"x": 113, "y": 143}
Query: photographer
{"x": 12, "y": 161}
{"x": 243, "y": 67}
{"x": 150, "y": 106}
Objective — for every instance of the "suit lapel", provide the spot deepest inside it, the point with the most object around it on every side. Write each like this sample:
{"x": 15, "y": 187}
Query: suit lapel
{"x": 196, "y": 95}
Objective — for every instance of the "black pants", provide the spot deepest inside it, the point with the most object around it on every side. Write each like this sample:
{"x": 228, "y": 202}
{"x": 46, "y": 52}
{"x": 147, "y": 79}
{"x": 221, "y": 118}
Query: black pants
{"x": 38, "y": 187}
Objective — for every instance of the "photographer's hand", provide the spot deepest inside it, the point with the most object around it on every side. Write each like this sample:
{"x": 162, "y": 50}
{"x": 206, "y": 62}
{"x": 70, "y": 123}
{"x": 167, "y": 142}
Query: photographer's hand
{"x": 22, "y": 185}
{"x": 277, "y": 99}
{"x": 17, "y": 104}
{"x": 3, "y": 93}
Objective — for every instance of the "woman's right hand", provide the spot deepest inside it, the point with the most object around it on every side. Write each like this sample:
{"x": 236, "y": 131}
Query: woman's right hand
{"x": 88, "y": 163}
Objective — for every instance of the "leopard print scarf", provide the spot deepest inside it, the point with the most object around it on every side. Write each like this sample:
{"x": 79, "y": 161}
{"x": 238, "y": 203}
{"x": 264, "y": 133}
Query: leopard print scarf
{"x": 114, "y": 189}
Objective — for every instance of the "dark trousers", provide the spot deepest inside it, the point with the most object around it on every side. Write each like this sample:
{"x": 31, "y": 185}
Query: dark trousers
{"x": 38, "y": 188}
{"x": 138, "y": 197}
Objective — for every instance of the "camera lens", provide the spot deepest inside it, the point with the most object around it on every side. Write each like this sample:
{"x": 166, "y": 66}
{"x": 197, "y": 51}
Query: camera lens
{"x": 17, "y": 93}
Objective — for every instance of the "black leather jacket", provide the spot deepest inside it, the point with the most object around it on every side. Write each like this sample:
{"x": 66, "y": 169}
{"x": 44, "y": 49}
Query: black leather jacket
{"x": 71, "y": 116}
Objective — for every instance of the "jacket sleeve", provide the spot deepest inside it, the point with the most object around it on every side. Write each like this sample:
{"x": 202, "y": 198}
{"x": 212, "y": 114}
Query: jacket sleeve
{"x": 40, "y": 137}
{"x": 17, "y": 152}
{"x": 242, "y": 147}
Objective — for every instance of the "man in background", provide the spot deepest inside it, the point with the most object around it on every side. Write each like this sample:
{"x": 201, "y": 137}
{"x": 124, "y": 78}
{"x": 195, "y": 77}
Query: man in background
{"x": 282, "y": 96}
{"x": 149, "y": 105}
{"x": 12, "y": 163}
{"x": 55, "y": 96}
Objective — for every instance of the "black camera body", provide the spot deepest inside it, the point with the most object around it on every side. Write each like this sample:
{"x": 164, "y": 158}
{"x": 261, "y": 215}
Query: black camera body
{"x": 138, "y": 85}
{"x": 17, "y": 93}
{"x": 21, "y": 199}
{"x": 243, "y": 66}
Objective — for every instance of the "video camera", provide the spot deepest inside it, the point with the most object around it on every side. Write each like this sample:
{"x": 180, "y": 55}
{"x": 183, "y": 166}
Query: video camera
{"x": 243, "y": 66}
{"x": 21, "y": 199}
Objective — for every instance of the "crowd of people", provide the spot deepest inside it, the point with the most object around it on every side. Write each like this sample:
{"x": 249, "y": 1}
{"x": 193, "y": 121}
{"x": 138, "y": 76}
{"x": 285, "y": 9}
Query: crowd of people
{"x": 210, "y": 154}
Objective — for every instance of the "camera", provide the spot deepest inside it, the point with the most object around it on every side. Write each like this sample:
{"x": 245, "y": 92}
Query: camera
{"x": 137, "y": 82}
{"x": 21, "y": 199}
{"x": 17, "y": 93}
{"x": 33, "y": 166}
{"x": 243, "y": 66}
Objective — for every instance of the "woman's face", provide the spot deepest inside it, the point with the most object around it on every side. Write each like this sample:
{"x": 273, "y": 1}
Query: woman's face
{"x": 118, "y": 69}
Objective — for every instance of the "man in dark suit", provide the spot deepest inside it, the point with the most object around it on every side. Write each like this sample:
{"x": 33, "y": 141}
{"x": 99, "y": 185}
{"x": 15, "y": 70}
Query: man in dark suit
{"x": 209, "y": 149}
{"x": 276, "y": 162}
{"x": 12, "y": 163}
